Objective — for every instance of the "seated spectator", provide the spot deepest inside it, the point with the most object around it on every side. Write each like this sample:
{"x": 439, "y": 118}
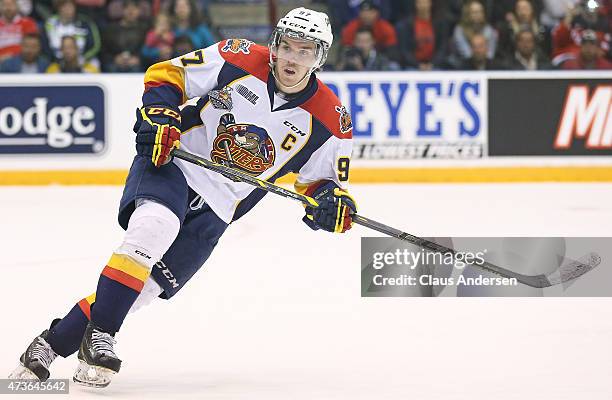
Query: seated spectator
{"x": 590, "y": 56}
{"x": 124, "y": 40}
{"x": 369, "y": 17}
{"x": 479, "y": 59}
{"x": 67, "y": 23}
{"x": 527, "y": 56}
{"x": 188, "y": 22}
{"x": 523, "y": 18}
{"x": 70, "y": 61}
{"x": 182, "y": 45}
{"x": 567, "y": 35}
{"x": 13, "y": 27}
{"x": 422, "y": 40}
{"x": 159, "y": 41}
{"x": 473, "y": 22}
{"x": 363, "y": 56}
{"x": 30, "y": 61}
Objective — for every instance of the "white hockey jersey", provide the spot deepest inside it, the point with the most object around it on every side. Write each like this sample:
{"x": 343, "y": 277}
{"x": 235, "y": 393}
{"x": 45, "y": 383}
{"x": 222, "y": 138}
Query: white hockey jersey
{"x": 239, "y": 117}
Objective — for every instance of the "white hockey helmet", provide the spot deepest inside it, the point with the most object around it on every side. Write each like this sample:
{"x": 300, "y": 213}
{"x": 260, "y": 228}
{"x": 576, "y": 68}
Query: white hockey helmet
{"x": 304, "y": 24}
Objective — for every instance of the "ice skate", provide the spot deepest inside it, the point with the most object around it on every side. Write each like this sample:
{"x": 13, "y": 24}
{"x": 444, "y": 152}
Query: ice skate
{"x": 97, "y": 359}
{"x": 35, "y": 361}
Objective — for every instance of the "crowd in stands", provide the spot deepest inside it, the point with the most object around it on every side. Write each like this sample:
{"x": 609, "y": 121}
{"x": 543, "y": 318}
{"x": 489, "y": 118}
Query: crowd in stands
{"x": 53, "y": 36}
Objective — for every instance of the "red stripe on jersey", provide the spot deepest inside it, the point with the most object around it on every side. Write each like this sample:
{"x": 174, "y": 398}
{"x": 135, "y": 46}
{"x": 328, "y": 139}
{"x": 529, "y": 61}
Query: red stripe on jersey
{"x": 86, "y": 308}
{"x": 256, "y": 62}
{"x": 123, "y": 278}
{"x": 322, "y": 106}
{"x": 152, "y": 84}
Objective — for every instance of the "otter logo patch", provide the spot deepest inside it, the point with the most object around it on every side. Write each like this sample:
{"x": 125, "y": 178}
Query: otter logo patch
{"x": 246, "y": 147}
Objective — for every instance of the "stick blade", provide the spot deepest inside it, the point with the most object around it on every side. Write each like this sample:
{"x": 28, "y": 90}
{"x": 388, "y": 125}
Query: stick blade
{"x": 567, "y": 272}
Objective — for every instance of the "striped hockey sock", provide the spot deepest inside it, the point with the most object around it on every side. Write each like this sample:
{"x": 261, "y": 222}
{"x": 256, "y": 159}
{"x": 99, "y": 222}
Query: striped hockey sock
{"x": 65, "y": 335}
{"x": 119, "y": 285}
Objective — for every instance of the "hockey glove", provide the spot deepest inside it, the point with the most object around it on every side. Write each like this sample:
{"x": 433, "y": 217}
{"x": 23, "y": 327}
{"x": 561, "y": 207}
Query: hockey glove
{"x": 158, "y": 131}
{"x": 335, "y": 209}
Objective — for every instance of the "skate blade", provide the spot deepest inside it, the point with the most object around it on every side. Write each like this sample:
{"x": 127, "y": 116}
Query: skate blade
{"x": 92, "y": 376}
{"x": 22, "y": 372}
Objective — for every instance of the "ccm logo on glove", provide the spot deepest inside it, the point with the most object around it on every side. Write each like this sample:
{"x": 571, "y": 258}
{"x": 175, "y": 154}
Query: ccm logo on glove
{"x": 335, "y": 210}
{"x": 158, "y": 131}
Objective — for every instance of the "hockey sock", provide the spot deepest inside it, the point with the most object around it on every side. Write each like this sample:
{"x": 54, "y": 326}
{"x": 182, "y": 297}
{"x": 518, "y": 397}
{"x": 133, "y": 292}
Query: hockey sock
{"x": 119, "y": 285}
{"x": 65, "y": 335}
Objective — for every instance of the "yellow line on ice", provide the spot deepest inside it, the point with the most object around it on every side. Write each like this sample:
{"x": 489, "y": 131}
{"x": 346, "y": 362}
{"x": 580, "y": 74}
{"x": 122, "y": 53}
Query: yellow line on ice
{"x": 357, "y": 175}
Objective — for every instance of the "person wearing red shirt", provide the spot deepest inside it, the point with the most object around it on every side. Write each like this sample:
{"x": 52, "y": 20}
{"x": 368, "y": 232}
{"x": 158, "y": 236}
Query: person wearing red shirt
{"x": 590, "y": 56}
{"x": 369, "y": 17}
{"x": 12, "y": 29}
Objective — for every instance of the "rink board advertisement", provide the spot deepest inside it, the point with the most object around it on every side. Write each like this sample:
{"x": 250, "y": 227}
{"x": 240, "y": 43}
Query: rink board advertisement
{"x": 52, "y": 119}
{"x": 526, "y": 266}
{"x": 567, "y": 117}
{"x": 403, "y": 116}
{"x": 408, "y": 126}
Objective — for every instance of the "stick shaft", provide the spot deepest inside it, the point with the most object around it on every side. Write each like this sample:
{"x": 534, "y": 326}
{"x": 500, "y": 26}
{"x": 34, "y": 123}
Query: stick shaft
{"x": 539, "y": 281}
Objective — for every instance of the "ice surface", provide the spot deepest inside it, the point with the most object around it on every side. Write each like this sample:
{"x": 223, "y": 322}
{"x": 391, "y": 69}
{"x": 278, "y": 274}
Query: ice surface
{"x": 277, "y": 312}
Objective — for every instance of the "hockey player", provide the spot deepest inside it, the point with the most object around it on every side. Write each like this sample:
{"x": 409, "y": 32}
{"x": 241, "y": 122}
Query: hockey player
{"x": 260, "y": 110}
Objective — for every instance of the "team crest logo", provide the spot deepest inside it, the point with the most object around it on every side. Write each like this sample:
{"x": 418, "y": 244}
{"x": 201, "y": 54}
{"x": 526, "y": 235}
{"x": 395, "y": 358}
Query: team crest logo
{"x": 237, "y": 46}
{"x": 346, "y": 124}
{"x": 221, "y": 99}
{"x": 244, "y": 146}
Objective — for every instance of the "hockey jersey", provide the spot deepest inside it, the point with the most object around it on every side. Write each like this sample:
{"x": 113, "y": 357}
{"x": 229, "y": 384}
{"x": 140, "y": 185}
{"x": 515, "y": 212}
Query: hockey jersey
{"x": 240, "y": 118}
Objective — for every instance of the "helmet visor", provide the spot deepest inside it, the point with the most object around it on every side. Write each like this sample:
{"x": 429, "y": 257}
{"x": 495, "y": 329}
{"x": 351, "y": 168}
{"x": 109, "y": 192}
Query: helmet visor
{"x": 295, "y": 50}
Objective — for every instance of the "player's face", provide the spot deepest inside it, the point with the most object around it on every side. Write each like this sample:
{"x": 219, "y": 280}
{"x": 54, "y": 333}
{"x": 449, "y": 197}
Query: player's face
{"x": 294, "y": 59}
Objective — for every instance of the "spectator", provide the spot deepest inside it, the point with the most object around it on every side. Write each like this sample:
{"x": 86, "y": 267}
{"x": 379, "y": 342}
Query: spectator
{"x": 422, "y": 40}
{"x": 30, "y": 61}
{"x": 554, "y": 11}
{"x": 69, "y": 58}
{"x": 124, "y": 40}
{"x": 472, "y": 23}
{"x": 590, "y": 56}
{"x": 341, "y": 12}
{"x": 566, "y": 36}
{"x": 449, "y": 10}
{"x": 67, "y": 23}
{"x": 369, "y": 17}
{"x": 363, "y": 55}
{"x": 479, "y": 59}
{"x": 115, "y": 9}
{"x": 500, "y": 10}
{"x": 159, "y": 41}
{"x": 523, "y": 18}
{"x": 182, "y": 45}
{"x": 96, "y": 10}
{"x": 25, "y": 7}
{"x": 13, "y": 27}
{"x": 187, "y": 22}
{"x": 527, "y": 55}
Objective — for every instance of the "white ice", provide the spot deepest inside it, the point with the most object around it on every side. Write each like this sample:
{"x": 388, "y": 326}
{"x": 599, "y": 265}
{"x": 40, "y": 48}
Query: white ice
{"x": 276, "y": 313}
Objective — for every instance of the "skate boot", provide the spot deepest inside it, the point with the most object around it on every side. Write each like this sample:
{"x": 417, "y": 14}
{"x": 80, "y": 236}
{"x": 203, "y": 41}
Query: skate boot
{"x": 97, "y": 359}
{"x": 35, "y": 361}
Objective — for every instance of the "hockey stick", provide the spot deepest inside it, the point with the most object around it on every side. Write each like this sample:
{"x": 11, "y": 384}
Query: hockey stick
{"x": 569, "y": 270}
